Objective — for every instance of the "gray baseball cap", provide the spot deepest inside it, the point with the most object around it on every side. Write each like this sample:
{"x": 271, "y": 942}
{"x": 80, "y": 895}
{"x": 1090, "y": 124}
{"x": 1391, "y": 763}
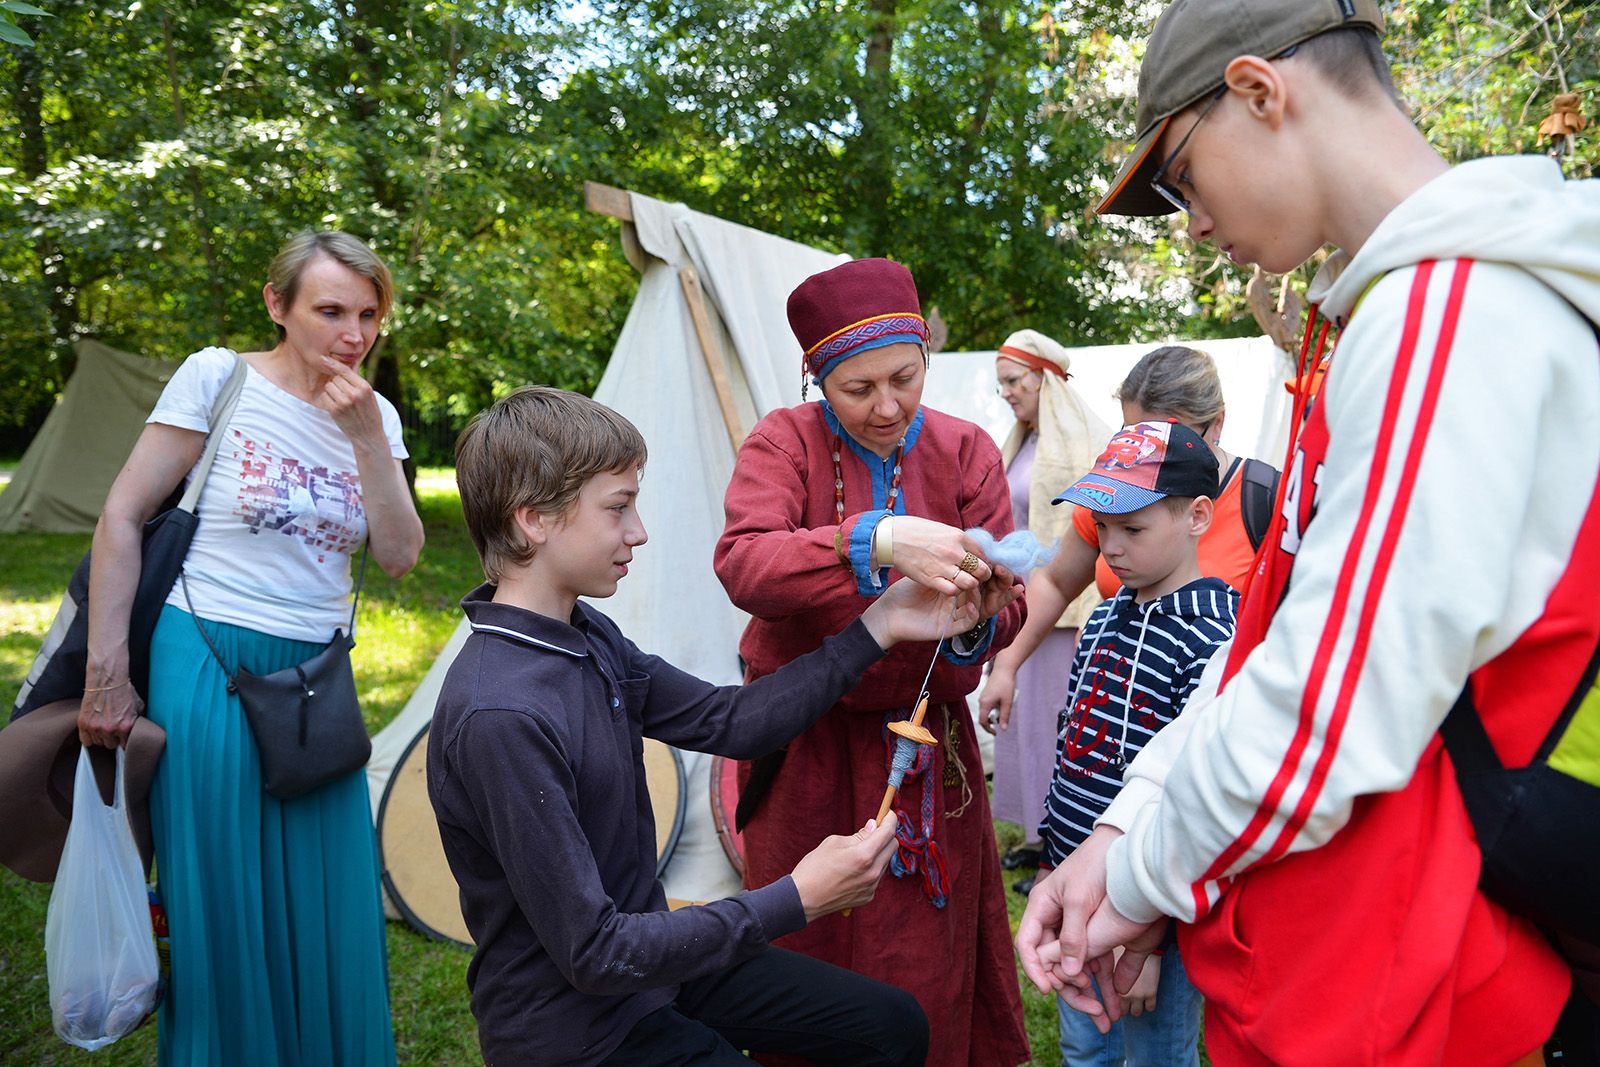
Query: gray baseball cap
{"x": 1190, "y": 49}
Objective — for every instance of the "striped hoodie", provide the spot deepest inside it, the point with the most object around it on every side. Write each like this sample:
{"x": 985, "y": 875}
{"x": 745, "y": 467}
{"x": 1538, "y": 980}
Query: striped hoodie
{"x": 1439, "y": 523}
{"x": 1131, "y": 675}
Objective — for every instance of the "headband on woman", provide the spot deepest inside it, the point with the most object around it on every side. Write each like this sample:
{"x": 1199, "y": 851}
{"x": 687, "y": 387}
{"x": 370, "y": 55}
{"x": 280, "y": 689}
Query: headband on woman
{"x": 1037, "y": 352}
{"x": 1028, "y": 359}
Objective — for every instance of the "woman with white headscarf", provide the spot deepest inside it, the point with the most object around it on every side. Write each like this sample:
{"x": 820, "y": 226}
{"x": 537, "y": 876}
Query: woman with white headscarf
{"x": 1053, "y": 443}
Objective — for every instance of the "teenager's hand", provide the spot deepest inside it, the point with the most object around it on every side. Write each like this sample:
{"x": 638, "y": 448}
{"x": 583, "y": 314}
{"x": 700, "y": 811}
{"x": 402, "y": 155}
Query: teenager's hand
{"x": 910, "y": 612}
{"x": 999, "y": 691}
{"x": 930, "y": 553}
{"x": 1142, "y": 997}
{"x": 1053, "y": 939}
{"x": 843, "y": 872}
{"x": 1106, "y": 930}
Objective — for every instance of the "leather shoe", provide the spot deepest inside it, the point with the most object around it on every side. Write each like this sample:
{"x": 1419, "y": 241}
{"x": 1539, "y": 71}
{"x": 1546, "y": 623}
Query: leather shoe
{"x": 1024, "y": 885}
{"x": 1020, "y": 856}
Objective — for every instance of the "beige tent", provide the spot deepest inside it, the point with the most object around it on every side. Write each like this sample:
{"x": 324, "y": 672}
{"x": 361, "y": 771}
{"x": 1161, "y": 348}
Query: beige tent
{"x": 60, "y": 486}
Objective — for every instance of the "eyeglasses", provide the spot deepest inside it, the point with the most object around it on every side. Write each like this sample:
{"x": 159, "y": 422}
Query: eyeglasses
{"x": 1158, "y": 181}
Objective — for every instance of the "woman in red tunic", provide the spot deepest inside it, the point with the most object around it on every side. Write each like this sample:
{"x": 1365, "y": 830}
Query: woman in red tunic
{"x": 828, "y": 501}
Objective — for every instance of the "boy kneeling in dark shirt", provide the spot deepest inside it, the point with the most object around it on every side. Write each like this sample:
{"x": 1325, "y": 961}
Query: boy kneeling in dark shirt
{"x": 536, "y": 775}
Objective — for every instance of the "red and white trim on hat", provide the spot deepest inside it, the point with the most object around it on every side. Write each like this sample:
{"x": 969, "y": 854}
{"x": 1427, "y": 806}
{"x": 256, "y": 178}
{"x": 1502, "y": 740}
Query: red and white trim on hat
{"x": 868, "y": 333}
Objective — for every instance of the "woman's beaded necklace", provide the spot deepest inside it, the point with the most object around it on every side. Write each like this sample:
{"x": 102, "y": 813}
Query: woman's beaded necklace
{"x": 838, "y": 477}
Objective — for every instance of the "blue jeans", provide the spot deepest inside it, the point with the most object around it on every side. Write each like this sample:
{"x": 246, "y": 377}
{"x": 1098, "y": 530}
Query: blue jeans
{"x": 1166, "y": 1037}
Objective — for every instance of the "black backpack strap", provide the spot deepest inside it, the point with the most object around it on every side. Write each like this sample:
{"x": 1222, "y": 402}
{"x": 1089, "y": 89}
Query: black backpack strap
{"x": 1465, "y": 738}
{"x": 1257, "y": 494}
{"x": 1586, "y": 682}
{"x": 1468, "y": 742}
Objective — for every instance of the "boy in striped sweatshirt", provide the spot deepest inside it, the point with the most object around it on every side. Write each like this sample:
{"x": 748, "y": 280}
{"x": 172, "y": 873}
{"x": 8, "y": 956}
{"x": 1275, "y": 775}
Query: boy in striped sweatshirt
{"x": 1141, "y": 654}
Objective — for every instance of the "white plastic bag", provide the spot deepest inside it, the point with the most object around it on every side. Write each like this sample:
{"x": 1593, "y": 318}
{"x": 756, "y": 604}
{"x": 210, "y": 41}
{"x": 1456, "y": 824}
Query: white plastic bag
{"x": 100, "y": 953}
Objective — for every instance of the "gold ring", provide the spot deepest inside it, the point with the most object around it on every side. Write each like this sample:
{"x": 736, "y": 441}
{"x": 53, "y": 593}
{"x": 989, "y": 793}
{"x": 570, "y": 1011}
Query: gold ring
{"x": 969, "y": 563}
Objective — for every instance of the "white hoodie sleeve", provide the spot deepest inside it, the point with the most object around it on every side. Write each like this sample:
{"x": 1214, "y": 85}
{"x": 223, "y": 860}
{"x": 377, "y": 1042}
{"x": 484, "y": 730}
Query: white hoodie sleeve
{"x": 1446, "y": 510}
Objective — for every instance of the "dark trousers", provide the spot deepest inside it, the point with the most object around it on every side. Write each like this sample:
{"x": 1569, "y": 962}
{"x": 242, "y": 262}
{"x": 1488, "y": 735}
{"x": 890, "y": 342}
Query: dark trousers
{"x": 781, "y": 1002}
{"x": 1576, "y": 1042}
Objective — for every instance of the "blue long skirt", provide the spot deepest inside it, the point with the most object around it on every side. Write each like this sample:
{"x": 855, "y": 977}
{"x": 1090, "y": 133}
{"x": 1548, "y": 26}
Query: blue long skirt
{"x": 274, "y": 907}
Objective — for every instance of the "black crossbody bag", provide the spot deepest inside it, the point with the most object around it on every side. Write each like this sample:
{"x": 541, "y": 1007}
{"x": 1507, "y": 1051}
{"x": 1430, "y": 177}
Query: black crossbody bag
{"x": 306, "y": 718}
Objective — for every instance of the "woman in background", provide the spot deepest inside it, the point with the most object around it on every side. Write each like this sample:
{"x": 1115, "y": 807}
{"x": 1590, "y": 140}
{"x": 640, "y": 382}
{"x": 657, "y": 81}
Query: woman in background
{"x": 1172, "y": 382}
{"x": 1053, "y": 443}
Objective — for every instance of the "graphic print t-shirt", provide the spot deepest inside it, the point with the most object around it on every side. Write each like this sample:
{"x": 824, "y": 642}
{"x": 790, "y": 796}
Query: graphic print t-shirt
{"x": 281, "y": 512}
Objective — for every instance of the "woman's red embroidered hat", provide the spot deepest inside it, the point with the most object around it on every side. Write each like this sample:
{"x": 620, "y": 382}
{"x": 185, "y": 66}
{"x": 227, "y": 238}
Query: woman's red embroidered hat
{"x": 855, "y": 307}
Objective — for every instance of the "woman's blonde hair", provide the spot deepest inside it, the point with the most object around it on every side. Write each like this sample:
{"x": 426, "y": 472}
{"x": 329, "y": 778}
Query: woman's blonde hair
{"x": 1181, "y": 383}
{"x": 298, "y": 251}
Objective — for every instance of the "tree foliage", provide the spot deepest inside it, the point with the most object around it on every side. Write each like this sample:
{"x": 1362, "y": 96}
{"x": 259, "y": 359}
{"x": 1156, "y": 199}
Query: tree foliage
{"x": 153, "y": 156}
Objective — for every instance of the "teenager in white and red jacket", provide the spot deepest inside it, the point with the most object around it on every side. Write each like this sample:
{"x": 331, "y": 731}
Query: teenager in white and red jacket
{"x": 1441, "y": 523}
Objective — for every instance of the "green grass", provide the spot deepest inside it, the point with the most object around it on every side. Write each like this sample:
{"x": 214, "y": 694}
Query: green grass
{"x": 401, "y": 628}
{"x": 1038, "y": 1010}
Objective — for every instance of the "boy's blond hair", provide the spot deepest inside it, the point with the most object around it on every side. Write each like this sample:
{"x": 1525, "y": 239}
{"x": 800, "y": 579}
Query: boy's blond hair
{"x": 534, "y": 449}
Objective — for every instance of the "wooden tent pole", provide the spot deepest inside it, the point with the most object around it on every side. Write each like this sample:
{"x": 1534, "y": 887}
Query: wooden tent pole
{"x": 711, "y": 353}
{"x": 617, "y": 203}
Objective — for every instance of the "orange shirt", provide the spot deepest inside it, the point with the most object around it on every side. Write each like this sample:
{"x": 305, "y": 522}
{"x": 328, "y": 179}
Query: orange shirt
{"x": 1224, "y": 550}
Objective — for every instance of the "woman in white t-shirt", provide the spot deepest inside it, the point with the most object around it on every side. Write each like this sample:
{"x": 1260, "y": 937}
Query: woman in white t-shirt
{"x": 273, "y": 906}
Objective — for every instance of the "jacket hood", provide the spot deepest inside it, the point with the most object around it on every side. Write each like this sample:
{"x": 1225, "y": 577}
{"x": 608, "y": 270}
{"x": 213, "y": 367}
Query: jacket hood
{"x": 1515, "y": 210}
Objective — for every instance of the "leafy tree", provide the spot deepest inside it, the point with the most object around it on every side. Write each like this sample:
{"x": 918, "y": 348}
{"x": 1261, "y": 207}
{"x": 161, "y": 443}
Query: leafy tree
{"x": 10, "y": 32}
{"x": 153, "y": 157}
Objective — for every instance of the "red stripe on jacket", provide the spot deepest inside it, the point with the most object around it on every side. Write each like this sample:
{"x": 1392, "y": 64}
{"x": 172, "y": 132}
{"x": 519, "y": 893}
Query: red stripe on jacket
{"x": 1417, "y": 303}
{"x": 1380, "y": 566}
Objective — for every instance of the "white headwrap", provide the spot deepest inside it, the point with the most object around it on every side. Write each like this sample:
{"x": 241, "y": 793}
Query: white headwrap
{"x": 1070, "y": 437}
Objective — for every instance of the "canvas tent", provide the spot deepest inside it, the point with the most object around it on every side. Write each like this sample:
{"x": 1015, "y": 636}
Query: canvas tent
{"x": 706, "y": 350}
{"x": 61, "y": 483}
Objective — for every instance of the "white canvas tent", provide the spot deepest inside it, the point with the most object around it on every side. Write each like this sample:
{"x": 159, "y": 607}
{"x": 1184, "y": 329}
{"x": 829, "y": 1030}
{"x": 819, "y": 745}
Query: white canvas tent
{"x": 61, "y": 483}
{"x": 705, "y": 351}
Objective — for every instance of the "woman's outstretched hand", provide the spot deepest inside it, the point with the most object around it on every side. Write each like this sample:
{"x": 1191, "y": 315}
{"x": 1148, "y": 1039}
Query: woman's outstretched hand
{"x": 931, "y": 553}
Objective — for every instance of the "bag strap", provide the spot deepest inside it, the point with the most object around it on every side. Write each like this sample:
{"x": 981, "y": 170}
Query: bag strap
{"x": 1257, "y": 494}
{"x": 1465, "y": 738}
{"x": 361, "y": 573}
{"x": 183, "y": 580}
{"x": 1468, "y": 742}
{"x": 1228, "y": 475}
{"x": 221, "y": 415}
